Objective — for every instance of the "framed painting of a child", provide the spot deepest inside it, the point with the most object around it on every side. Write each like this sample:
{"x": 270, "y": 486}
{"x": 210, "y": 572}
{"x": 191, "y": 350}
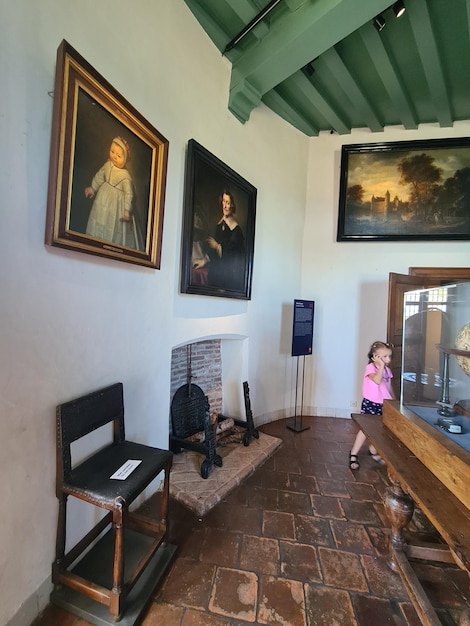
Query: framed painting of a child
{"x": 107, "y": 171}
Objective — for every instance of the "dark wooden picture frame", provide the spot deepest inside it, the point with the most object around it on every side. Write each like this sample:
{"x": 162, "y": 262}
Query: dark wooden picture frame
{"x": 217, "y": 253}
{"x": 97, "y": 204}
{"x": 405, "y": 191}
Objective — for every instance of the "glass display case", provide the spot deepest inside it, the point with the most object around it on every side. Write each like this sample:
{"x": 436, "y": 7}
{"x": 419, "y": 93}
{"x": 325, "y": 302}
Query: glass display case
{"x": 432, "y": 416}
{"x": 435, "y": 375}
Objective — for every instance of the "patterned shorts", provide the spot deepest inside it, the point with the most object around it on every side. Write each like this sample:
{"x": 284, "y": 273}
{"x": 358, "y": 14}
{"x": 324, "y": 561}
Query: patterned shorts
{"x": 371, "y": 408}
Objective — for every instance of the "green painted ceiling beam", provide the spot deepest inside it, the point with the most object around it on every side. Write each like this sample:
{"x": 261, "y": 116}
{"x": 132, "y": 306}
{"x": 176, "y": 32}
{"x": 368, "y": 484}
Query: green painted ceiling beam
{"x": 389, "y": 77}
{"x": 280, "y": 105}
{"x": 293, "y": 5}
{"x": 217, "y": 34}
{"x": 246, "y": 11}
{"x": 468, "y": 15}
{"x": 426, "y": 43}
{"x": 313, "y": 95}
{"x": 303, "y": 35}
{"x": 352, "y": 92}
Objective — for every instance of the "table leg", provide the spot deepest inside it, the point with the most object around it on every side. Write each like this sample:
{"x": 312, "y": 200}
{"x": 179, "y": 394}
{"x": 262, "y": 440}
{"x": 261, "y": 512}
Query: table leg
{"x": 399, "y": 508}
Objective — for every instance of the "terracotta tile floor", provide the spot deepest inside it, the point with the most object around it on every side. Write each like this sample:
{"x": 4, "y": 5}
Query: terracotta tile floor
{"x": 300, "y": 543}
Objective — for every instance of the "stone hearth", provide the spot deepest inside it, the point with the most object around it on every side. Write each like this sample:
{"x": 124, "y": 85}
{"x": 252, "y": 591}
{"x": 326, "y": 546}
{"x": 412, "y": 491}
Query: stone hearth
{"x": 239, "y": 461}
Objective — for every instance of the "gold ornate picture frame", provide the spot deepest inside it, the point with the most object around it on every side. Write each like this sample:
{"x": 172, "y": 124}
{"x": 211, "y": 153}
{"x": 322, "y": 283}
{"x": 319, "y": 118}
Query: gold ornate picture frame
{"x": 107, "y": 172}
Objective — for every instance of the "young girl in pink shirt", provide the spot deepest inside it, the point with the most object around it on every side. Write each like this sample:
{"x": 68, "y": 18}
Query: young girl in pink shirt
{"x": 376, "y": 387}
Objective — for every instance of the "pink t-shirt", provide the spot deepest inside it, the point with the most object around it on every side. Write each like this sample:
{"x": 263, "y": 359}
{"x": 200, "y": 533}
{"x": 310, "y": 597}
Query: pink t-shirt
{"x": 377, "y": 393}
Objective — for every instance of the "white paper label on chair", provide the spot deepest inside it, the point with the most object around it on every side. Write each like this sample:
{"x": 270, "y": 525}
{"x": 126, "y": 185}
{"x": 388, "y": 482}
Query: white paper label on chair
{"x": 123, "y": 472}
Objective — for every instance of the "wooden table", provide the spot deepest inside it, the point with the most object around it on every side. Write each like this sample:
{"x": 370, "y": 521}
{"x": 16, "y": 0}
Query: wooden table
{"x": 412, "y": 482}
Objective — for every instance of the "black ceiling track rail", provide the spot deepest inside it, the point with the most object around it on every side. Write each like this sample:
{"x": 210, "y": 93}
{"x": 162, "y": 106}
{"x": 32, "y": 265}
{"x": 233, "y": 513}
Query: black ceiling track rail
{"x": 249, "y": 27}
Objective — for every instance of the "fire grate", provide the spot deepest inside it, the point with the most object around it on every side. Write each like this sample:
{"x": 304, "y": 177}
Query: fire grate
{"x": 190, "y": 413}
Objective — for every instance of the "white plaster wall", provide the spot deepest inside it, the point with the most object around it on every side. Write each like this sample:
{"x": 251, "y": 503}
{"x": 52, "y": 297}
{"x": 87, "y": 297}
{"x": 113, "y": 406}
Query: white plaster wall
{"x": 349, "y": 280}
{"x": 72, "y": 323}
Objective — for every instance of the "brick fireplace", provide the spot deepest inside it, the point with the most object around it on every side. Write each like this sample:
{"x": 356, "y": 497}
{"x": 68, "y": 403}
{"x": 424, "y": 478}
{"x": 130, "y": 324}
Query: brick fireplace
{"x": 201, "y": 361}
{"x": 219, "y": 366}
{"x": 202, "y": 364}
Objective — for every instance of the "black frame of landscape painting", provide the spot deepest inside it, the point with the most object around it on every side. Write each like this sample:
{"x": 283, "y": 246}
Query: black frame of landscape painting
{"x": 405, "y": 191}
{"x": 88, "y": 115}
{"x": 207, "y": 180}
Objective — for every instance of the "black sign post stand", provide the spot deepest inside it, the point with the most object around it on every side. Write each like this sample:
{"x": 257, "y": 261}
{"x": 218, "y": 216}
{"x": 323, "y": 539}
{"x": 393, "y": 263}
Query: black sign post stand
{"x": 302, "y": 335}
{"x": 297, "y": 427}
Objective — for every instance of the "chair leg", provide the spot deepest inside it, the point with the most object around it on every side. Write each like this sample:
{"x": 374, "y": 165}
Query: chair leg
{"x": 165, "y": 499}
{"x": 60, "y": 537}
{"x": 117, "y": 598}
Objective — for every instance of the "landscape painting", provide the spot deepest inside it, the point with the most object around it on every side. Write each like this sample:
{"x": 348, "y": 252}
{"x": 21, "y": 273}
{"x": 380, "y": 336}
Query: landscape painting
{"x": 418, "y": 190}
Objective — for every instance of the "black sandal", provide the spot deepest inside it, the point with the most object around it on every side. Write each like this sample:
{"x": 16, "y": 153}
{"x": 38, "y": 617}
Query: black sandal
{"x": 353, "y": 461}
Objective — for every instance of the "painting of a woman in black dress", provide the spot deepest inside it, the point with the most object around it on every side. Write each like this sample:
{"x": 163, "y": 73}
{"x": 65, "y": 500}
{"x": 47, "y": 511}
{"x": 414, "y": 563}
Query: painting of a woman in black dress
{"x": 227, "y": 248}
{"x": 219, "y": 223}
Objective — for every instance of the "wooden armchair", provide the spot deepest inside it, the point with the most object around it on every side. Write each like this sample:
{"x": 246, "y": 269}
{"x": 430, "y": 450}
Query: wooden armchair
{"x": 94, "y": 481}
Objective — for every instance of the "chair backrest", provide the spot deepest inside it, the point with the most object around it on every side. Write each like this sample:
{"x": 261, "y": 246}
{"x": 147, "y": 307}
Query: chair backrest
{"x": 81, "y": 416}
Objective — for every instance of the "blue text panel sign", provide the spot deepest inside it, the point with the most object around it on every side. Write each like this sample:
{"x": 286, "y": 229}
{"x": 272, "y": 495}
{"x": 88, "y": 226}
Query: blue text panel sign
{"x": 302, "y": 330}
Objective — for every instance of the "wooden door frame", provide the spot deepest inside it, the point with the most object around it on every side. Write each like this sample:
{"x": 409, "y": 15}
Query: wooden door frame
{"x": 450, "y": 274}
{"x": 431, "y": 277}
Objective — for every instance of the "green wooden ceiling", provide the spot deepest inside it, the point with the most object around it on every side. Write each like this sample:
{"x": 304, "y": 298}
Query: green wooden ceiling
{"x": 323, "y": 66}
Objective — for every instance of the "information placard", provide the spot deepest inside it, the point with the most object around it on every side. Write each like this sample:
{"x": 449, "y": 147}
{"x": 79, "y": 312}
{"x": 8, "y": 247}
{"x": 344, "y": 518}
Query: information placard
{"x": 302, "y": 329}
